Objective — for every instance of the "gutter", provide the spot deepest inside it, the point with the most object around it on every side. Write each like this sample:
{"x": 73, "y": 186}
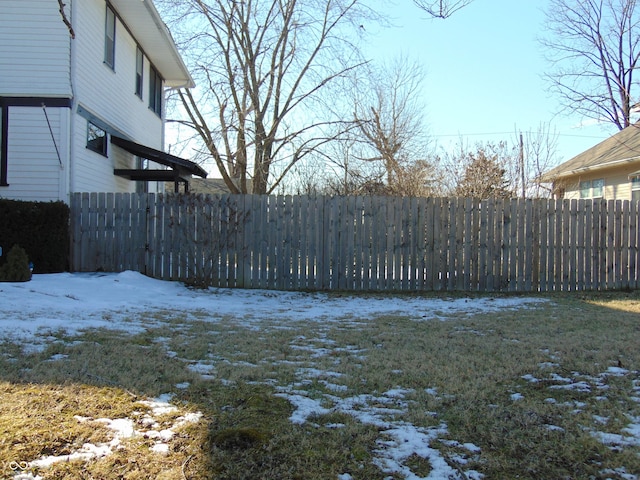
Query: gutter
{"x": 602, "y": 166}
{"x": 153, "y": 12}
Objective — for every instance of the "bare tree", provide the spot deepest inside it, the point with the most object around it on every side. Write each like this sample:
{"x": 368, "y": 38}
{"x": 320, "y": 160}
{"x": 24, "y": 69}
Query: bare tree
{"x": 391, "y": 126}
{"x": 538, "y": 152}
{"x": 262, "y": 67}
{"x": 594, "y": 49}
{"x": 441, "y": 8}
{"x": 65, "y": 19}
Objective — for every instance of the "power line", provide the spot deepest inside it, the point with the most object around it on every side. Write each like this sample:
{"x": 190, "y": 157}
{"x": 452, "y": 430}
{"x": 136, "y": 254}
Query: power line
{"x": 515, "y": 133}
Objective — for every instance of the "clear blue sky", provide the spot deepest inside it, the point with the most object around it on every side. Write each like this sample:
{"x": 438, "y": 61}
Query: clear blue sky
{"x": 484, "y": 71}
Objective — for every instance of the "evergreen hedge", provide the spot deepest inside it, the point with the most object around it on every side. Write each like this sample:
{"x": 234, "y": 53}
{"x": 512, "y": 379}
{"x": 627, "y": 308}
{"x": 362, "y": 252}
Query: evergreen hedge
{"x": 41, "y": 228}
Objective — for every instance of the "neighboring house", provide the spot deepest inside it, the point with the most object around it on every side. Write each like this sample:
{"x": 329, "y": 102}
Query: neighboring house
{"x": 204, "y": 186}
{"x": 82, "y": 98}
{"x": 609, "y": 170}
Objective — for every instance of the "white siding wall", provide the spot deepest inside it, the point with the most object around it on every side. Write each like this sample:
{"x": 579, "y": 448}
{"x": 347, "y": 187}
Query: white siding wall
{"x": 34, "y": 49}
{"x": 34, "y": 171}
{"x": 110, "y": 95}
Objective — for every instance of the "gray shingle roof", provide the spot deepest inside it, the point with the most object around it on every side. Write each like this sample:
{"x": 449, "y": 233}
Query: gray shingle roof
{"x": 623, "y": 147}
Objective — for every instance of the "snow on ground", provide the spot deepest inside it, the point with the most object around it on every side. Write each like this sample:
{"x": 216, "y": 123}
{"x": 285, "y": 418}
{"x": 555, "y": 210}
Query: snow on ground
{"x": 89, "y": 300}
{"x": 81, "y": 301}
{"x": 147, "y": 426}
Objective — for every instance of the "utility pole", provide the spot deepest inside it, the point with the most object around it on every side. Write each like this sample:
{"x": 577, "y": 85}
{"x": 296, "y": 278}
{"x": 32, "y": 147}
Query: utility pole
{"x": 524, "y": 187}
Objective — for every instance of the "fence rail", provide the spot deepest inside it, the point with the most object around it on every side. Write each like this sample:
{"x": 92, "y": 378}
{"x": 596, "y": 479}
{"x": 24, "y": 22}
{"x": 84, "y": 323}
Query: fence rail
{"x": 360, "y": 243}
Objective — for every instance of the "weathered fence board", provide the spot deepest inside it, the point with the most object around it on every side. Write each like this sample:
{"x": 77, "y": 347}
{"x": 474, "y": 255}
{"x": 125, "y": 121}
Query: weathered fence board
{"x": 360, "y": 243}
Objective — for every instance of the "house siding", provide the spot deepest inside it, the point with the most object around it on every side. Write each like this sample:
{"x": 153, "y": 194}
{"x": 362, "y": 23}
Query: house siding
{"x": 110, "y": 94}
{"x": 36, "y": 170}
{"x": 40, "y": 63}
{"x": 617, "y": 185}
{"x": 35, "y": 50}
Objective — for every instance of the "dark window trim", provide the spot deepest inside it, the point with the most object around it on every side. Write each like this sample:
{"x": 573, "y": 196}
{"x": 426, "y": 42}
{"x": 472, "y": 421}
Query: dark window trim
{"x": 110, "y": 40}
{"x": 139, "y": 74}
{"x": 156, "y": 92}
{"x": 36, "y": 102}
{"x": 4, "y": 144}
{"x": 5, "y": 104}
{"x": 98, "y": 122}
{"x": 102, "y": 149}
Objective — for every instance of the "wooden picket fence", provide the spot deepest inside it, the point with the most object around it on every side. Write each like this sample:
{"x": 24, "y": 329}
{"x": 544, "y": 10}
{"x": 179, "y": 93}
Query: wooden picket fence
{"x": 360, "y": 243}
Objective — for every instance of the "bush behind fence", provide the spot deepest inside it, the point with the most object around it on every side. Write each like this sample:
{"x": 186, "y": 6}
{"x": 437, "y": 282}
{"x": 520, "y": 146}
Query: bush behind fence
{"x": 360, "y": 243}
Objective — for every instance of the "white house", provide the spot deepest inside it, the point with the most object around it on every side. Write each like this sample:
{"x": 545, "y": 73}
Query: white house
{"x": 82, "y": 86}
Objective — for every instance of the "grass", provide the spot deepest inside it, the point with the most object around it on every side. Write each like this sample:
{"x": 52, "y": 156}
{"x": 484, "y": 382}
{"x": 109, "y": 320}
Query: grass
{"x": 498, "y": 381}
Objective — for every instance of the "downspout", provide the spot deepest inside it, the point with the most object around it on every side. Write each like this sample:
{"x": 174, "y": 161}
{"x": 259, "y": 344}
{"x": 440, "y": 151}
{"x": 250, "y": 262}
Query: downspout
{"x": 71, "y": 124}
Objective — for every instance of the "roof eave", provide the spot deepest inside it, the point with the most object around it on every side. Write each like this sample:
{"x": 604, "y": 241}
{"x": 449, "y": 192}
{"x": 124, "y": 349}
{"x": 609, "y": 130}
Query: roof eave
{"x": 146, "y": 25}
{"x": 551, "y": 176}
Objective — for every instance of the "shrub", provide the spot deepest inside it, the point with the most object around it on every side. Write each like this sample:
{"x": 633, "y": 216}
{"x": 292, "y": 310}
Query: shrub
{"x": 16, "y": 269}
{"x": 41, "y": 228}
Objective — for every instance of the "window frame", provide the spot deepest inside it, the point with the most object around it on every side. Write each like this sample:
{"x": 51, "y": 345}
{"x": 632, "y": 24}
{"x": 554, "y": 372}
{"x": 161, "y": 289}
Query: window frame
{"x": 139, "y": 71}
{"x": 600, "y": 187}
{"x": 585, "y": 188}
{"x": 592, "y": 189}
{"x": 156, "y": 93}
{"x": 98, "y": 147}
{"x": 635, "y": 187}
{"x": 110, "y": 38}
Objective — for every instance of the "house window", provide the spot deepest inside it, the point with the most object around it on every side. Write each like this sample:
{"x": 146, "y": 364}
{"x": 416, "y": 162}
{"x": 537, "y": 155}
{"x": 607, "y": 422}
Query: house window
{"x": 585, "y": 189}
{"x": 597, "y": 188}
{"x": 110, "y": 38}
{"x": 139, "y": 71}
{"x": 592, "y": 188}
{"x": 155, "y": 91}
{"x": 635, "y": 188}
{"x": 96, "y": 139}
{"x": 142, "y": 186}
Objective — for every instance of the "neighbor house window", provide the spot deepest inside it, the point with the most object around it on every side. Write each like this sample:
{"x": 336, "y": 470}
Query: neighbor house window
{"x": 635, "y": 188}
{"x": 592, "y": 188}
{"x": 585, "y": 189}
{"x": 597, "y": 188}
{"x": 155, "y": 91}
{"x": 139, "y": 71}
{"x": 110, "y": 38}
{"x": 96, "y": 139}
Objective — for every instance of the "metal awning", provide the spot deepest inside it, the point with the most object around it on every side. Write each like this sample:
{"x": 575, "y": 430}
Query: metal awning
{"x": 181, "y": 169}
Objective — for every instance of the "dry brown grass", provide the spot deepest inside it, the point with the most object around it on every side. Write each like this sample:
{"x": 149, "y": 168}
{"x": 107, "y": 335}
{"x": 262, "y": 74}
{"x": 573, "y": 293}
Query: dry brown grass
{"x": 40, "y": 420}
{"x": 463, "y": 372}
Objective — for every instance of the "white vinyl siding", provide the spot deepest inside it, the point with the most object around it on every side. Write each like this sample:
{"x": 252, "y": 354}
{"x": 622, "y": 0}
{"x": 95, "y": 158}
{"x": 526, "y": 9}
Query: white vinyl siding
{"x": 109, "y": 94}
{"x": 34, "y": 170}
{"x": 35, "y": 49}
{"x": 38, "y": 58}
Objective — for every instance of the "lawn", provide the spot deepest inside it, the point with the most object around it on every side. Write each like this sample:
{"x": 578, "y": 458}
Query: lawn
{"x": 120, "y": 376}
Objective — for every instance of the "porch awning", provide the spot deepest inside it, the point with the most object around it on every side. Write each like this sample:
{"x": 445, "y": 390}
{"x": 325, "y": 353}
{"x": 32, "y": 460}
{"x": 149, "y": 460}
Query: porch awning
{"x": 181, "y": 169}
